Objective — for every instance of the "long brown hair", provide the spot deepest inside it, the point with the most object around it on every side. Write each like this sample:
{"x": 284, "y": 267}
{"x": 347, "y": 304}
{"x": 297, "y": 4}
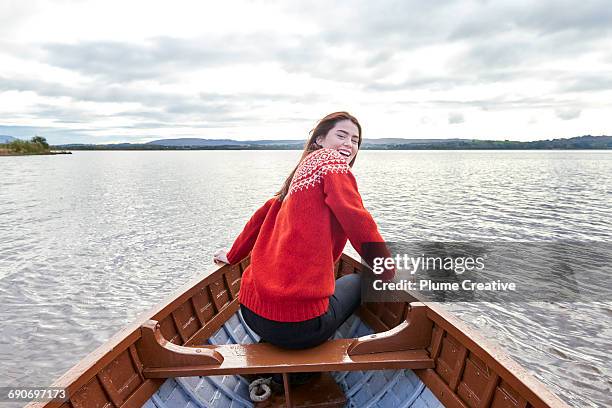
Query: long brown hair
{"x": 321, "y": 129}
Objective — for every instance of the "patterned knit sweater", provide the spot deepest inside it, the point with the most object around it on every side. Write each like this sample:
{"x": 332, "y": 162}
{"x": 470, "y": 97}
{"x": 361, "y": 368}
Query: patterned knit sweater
{"x": 295, "y": 243}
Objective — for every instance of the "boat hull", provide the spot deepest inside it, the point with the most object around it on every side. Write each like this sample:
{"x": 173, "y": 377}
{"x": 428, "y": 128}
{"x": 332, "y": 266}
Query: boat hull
{"x": 467, "y": 371}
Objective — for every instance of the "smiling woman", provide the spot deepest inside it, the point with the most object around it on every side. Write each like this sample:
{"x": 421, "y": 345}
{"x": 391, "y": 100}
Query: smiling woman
{"x": 337, "y": 131}
{"x": 288, "y": 293}
{"x": 344, "y": 137}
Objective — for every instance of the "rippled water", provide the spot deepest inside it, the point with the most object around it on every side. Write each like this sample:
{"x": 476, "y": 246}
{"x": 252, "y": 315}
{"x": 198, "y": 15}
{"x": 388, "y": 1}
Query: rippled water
{"x": 89, "y": 241}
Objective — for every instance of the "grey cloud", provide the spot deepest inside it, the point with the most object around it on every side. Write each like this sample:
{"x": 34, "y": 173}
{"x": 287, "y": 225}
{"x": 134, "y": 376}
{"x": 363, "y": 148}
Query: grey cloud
{"x": 166, "y": 57}
{"x": 588, "y": 83}
{"x": 62, "y": 114}
{"x": 309, "y": 97}
{"x": 166, "y": 125}
{"x": 503, "y": 41}
{"x": 100, "y": 92}
{"x": 568, "y": 113}
{"x": 197, "y": 107}
{"x": 499, "y": 35}
{"x": 53, "y": 135}
{"x": 62, "y": 135}
{"x": 162, "y": 57}
{"x": 490, "y": 55}
{"x": 455, "y": 118}
{"x": 466, "y": 77}
{"x": 545, "y": 17}
{"x": 502, "y": 103}
{"x": 391, "y": 24}
{"x": 505, "y": 34}
{"x": 215, "y": 109}
{"x": 88, "y": 92}
{"x": 502, "y": 32}
{"x": 555, "y": 15}
{"x": 429, "y": 82}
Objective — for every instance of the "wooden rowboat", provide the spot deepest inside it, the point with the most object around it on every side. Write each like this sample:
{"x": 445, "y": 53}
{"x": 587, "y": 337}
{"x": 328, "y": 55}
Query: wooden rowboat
{"x": 188, "y": 352}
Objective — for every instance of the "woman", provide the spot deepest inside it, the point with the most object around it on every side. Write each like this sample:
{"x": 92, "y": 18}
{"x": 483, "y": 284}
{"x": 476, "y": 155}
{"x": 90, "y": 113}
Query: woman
{"x": 288, "y": 295}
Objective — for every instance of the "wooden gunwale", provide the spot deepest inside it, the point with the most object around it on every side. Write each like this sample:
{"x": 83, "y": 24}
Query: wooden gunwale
{"x": 502, "y": 365}
{"x": 220, "y": 286}
{"x": 90, "y": 366}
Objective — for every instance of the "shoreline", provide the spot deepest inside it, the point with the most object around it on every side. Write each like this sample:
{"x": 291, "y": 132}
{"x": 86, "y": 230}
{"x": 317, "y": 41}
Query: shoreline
{"x": 10, "y": 153}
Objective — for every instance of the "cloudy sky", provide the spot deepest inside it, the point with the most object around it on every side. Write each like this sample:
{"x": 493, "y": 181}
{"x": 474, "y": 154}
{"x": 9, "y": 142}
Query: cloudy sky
{"x": 135, "y": 71}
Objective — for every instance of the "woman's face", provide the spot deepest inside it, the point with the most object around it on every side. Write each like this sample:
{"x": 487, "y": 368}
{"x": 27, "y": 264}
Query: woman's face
{"x": 343, "y": 137}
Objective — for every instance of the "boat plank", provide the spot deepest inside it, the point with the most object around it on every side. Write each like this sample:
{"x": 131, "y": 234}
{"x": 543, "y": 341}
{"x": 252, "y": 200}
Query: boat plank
{"x": 143, "y": 393}
{"x": 266, "y": 358}
{"x": 440, "y": 389}
{"x": 458, "y": 368}
{"x": 510, "y": 371}
{"x": 214, "y": 323}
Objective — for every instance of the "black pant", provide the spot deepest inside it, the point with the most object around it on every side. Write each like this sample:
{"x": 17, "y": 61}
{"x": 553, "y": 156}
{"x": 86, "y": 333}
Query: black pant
{"x": 309, "y": 333}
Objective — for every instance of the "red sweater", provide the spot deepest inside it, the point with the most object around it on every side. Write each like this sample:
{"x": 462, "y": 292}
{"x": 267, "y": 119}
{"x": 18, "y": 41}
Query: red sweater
{"x": 295, "y": 243}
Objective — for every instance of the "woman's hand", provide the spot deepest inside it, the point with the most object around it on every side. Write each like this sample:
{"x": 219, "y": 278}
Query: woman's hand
{"x": 220, "y": 257}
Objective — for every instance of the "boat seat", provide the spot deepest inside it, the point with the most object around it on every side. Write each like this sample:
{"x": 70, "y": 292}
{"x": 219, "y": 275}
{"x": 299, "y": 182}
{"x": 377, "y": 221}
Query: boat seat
{"x": 401, "y": 347}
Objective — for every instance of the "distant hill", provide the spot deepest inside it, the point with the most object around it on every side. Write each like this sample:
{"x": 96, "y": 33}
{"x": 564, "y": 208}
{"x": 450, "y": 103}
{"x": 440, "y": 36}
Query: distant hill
{"x": 580, "y": 142}
{"x": 221, "y": 142}
{"x": 184, "y": 142}
{"x": 399, "y": 141}
{"x": 6, "y": 139}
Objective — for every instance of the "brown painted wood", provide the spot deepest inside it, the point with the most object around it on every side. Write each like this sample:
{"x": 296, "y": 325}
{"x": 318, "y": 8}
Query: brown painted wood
{"x": 448, "y": 358}
{"x": 212, "y": 306}
{"x": 287, "y": 388}
{"x": 143, "y": 393}
{"x": 517, "y": 377}
{"x": 440, "y": 389}
{"x": 233, "y": 277}
{"x": 337, "y": 269}
{"x": 92, "y": 394}
{"x": 220, "y": 293}
{"x": 414, "y": 333}
{"x": 214, "y": 324}
{"x": 487, "y": 396}
{"x": 475, "y": 383}
{"x": 346, "y": 268}
{"x": 347, "y": 262}
{"x": 458, "y": 368}
{"x": 179, "y": 328}
{"x": 136, "y": 361}
{"x": 204, "y": 306}
{"x": 108, "y": 386}
{"x": 436, "y": 341}
{"x": 322, "y": 392}
{"x": 81, "y": 374}
{"x": 371, "y": 318}
{"x": 394, "y": 313}
{"x": 506, "y": 396}
{"x": 155, "y": 351}
{"x": 266, "y": 358}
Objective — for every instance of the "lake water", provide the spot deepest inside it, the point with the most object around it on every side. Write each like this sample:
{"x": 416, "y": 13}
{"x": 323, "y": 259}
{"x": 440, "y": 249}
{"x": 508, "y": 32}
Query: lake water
{"x": 89, "y": 241}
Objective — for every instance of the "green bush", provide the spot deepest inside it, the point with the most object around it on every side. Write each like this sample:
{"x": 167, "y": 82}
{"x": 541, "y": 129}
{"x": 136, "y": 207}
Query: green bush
{"x": 41, "y": 141}
{"x": 37, "y": 145}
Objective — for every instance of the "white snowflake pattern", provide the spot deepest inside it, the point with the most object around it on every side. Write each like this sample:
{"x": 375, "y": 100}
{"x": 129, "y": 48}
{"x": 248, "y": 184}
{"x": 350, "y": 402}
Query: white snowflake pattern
{"x": 317, "y": 164}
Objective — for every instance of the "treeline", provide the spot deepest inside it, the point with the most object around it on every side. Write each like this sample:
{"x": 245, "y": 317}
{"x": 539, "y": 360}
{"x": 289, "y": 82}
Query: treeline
{"x": 575, "y": 143}
{"x": 36, "y": 145}
{"x": 135, "y": 146}
{"x": 581, "y": 142}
